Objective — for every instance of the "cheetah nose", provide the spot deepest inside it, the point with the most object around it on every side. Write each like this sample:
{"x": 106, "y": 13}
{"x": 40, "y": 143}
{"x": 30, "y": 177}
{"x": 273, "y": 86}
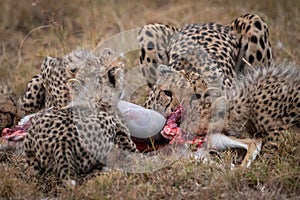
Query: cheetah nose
{"x": 202, "y": 131}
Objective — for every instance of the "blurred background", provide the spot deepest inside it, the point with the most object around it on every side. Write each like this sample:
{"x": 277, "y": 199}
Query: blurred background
{"x": 31, "y": 30}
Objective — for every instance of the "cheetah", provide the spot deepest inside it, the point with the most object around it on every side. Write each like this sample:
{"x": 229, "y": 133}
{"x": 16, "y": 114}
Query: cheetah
{"x": 210, "y": 49}
{"x": 217, "y": 51}
{"x": 10, "y": 111}
{"x": 79, "y": 137}
{"x": 254, "y": 46}
{"x": 49, "y": 87}
{"x": 264, "y": 102}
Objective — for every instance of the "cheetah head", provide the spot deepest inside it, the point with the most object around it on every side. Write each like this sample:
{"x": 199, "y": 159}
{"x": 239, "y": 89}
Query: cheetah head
{"x": 98, "y": 81}
{"x": 203, "y": 103}
{"x": 206, "y": 112}
{"x": 10, "y": 111}
{"x": 55, "y": 74}
{"x": 170, "y": 90}
{"x": 67, "y": 65}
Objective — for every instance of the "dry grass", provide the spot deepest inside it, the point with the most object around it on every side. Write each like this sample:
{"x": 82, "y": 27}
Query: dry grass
{"x": 274, "y": 175}
{"x": 31, "y": 30}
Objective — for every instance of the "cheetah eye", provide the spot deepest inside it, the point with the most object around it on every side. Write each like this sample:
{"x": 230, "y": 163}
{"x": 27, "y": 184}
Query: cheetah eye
{"x": 168, "y": 93}
{"x": 73, "y": 69}
{"x": 195, "y": 97}
{"x": 111, "y": 76}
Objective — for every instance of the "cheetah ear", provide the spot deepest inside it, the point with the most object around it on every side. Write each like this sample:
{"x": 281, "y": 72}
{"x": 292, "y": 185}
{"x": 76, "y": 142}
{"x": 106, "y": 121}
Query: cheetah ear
{"x": 114, "y": 75}
{"x": 107, "y": 55}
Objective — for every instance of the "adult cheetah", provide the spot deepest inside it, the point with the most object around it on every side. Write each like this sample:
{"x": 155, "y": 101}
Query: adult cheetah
{"x": 210, "y": 49}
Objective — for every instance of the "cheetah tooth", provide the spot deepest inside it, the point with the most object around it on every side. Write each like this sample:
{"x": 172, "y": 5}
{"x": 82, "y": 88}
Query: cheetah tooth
{"x": 142, "y": 122}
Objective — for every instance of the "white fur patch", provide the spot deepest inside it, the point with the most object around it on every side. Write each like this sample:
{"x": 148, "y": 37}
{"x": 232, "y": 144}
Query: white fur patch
{"x": 221, "y": 142}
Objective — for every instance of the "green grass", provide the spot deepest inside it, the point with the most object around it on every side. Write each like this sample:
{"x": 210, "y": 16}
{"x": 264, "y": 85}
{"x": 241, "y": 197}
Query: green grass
{"x": 30, "y": 31}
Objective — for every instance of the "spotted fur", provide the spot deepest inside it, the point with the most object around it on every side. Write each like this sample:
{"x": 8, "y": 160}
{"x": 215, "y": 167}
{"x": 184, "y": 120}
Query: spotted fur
{"x": 49, "y": 88}
{"x": 263, "y": 103}
{"x": 10, "y": 111}
{"x": 81, "y": 136}
{"x": 209, "y": 49}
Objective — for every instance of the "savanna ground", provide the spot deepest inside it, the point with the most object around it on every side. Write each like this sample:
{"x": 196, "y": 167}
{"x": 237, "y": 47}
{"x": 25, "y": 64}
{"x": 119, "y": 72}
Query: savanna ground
{"x": 31, "y": 30}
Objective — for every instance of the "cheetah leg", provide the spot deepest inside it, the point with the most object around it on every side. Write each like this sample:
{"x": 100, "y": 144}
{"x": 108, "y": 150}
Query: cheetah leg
{"x": 32, "y": 162}
{"x": 33, "y": 165}
{"x": 65, "y": 164}
{"x": 122, "y": 139}
{"x": 34, "y": 97}
{"x": 221, "y": 142}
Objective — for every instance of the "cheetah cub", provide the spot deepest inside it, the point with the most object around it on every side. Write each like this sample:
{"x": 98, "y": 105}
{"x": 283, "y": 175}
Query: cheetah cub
{"x": 80, "y": 137}
{"x": 264, "y": 102}
{"x": 10, "y": 111}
